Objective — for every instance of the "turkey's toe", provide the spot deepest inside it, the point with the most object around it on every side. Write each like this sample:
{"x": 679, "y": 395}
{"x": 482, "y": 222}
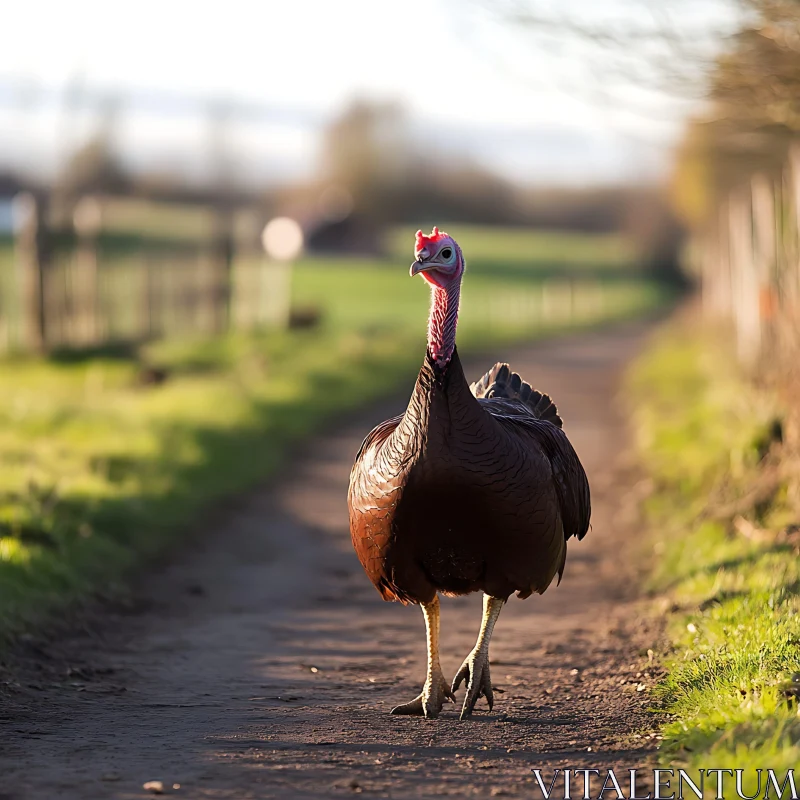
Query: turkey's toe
{"x": 475, "y": 671}
{"x": 430, "y": 701}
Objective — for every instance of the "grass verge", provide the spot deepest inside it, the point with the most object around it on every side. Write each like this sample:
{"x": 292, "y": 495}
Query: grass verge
{"x": 726, "y": 554}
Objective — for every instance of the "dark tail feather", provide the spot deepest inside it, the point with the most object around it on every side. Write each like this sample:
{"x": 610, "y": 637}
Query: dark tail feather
{"x": 500, "y": 381}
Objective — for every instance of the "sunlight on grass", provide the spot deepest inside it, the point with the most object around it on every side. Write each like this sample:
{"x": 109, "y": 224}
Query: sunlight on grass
{"x": 484, "y": 245}
{"x": 735, "y": 621}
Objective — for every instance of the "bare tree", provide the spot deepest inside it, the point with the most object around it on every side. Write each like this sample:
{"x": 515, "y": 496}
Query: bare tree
{"x": 637, "y": 54}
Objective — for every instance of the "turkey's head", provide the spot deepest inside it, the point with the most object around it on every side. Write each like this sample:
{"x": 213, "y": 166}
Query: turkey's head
{"x": 438, "y": 259}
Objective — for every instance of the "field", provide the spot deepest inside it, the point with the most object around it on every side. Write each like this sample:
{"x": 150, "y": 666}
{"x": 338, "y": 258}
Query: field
{"x": 726, "y": 554}
{"x": 107, "y": 460}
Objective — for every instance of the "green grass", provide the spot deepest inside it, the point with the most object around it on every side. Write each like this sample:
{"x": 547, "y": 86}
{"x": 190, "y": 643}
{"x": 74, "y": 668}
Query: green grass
{"x": 511, "y": 250}
{"x": 100, "y": 472}
{"x": 732, "y": 600}
{"x": 381, "y": 296}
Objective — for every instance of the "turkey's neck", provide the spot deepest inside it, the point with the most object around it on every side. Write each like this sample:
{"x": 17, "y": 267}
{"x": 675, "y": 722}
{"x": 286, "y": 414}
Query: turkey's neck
{"x": 442, "y": 322}
{"x": 440, "y": 381}
{"x": 441, "y": 411}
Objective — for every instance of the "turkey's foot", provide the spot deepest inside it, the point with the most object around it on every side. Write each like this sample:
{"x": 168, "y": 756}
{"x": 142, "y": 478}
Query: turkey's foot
{"x": 430, "y": 701}
{"x": 475, "y": 671}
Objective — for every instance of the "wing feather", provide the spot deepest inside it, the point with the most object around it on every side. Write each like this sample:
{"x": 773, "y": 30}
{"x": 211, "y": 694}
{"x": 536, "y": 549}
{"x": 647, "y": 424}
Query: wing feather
{"x": 501, "y": 383}
{"x": 569, "y": 477}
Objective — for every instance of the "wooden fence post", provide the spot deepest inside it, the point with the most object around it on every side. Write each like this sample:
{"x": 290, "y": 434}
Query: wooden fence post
{"x": 765, "y": 251}
{"x": 33, "y": 254}
{"x": 87, "y": 219}
{"x": 744, "y": 276}
{"x": 223, "y": 268}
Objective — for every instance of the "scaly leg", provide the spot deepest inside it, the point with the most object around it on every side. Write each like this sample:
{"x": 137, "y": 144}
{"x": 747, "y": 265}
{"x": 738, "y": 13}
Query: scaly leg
{"x": 475, "y": 669}
{"x": 436, "y": 690}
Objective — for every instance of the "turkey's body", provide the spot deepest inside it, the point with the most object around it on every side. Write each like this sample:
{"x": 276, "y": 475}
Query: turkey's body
{"x": 473, "y": 488}
{"x": 462, "y": 494}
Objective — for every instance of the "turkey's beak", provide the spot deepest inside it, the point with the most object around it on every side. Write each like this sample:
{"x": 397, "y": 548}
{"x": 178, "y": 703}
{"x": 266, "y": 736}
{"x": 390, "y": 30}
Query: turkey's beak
{"x": 421, "y": 266}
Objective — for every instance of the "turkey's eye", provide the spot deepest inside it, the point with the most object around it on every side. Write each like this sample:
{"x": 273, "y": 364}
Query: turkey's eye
{"x": 446, "y": 254}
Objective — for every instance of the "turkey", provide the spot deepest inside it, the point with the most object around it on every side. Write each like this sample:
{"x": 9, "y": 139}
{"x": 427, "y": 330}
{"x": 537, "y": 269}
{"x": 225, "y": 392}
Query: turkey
{"x": 472, "y": 489}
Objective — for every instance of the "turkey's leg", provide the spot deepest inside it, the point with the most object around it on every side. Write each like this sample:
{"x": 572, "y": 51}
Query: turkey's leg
{"x": 475, "y": 669}
{"x": 436, "y": 689}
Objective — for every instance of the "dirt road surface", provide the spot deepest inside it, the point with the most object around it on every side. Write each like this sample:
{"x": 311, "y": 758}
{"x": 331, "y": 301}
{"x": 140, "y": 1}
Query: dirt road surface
{"x": 262, "y": 663}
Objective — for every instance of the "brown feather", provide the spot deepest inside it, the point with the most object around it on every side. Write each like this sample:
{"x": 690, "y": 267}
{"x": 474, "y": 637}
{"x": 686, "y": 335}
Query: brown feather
{"x": 501, "y": 382}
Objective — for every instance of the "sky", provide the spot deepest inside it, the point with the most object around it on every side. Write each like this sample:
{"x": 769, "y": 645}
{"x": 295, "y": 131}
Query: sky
{"x": 471, "y": 83}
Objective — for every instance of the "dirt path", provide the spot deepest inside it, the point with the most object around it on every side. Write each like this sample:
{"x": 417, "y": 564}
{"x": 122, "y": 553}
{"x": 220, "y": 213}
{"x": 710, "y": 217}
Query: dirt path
{"x": 264, "y": 664}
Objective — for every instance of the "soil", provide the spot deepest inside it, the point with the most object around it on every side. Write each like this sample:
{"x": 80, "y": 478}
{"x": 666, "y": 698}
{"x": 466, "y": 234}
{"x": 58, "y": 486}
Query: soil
{"x": 262, "y": 663}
